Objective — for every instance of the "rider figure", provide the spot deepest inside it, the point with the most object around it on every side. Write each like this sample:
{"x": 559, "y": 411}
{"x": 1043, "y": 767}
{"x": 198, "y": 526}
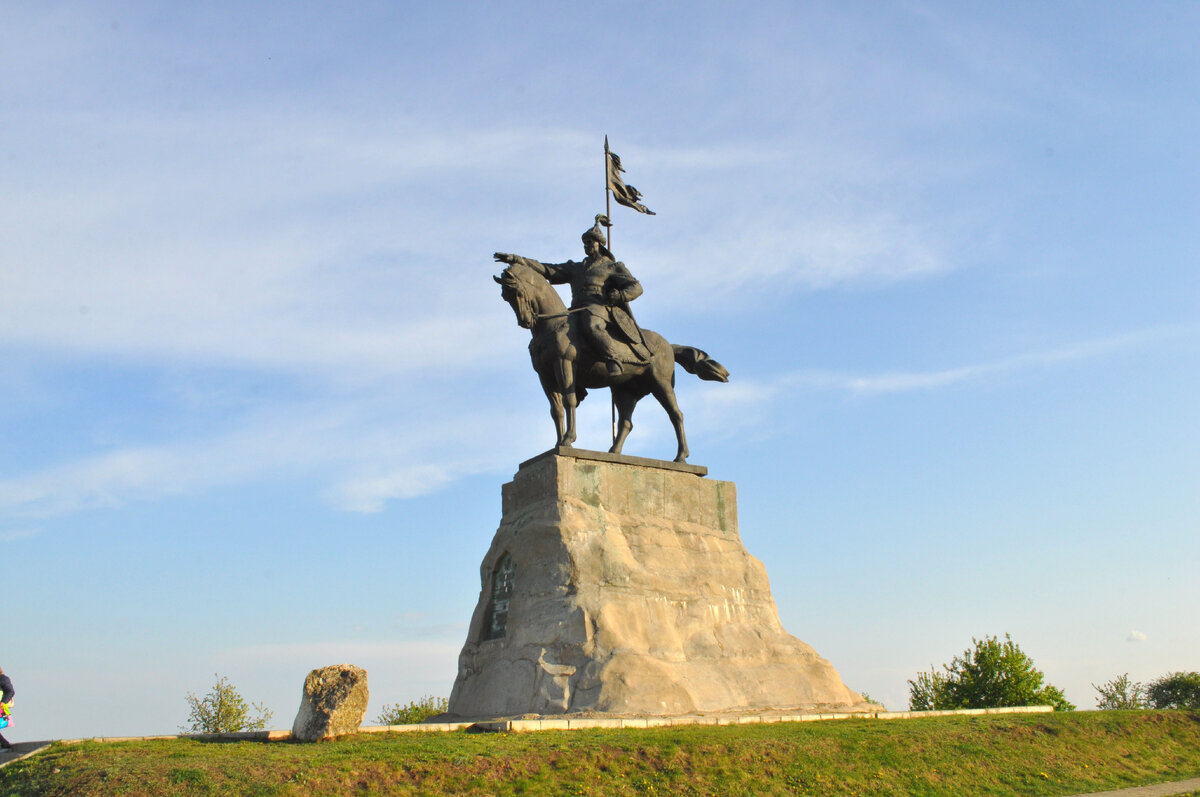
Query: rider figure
{"x": 601, "y": 290}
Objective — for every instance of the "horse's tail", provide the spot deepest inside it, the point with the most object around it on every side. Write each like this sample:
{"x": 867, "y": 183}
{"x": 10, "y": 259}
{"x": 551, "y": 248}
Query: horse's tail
{"x": 699, "y": 363}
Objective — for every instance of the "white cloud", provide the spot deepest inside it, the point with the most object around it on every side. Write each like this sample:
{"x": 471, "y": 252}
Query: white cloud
{"x": 1136, "y": 636}
{"x": 366, "y": 447}
{"x": 332, "y": 244}
{"x": 754, "y": 256}
{"x": 11, "y": 535}
{"x": 361, "y": 242}
{"x": 902, "y": 382}
{"x": 743, "y": 402}
{"x": 370, "y": 493}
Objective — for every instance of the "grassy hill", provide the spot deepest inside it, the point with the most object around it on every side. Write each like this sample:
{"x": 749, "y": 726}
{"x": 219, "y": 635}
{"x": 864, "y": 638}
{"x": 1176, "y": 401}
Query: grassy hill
{"x": 1044, "y": 754}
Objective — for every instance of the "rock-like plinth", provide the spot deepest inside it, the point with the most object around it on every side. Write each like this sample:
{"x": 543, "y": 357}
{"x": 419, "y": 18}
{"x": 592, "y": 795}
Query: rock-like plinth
{"x": 620, "y": 586}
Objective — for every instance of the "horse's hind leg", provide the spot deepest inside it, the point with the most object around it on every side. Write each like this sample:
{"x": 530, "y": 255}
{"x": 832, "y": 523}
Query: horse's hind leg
{"x": 625, "y": 402}
{"x": 665, "y": 393}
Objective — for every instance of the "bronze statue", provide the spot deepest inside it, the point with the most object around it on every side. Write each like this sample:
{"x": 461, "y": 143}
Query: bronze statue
{"x": 596, "y": 343}
{"x": 601, "y": 290}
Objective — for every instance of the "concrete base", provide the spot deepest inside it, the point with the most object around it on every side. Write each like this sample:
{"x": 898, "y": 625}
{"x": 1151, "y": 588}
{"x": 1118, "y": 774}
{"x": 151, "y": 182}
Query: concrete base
{"x": 618, "y": 586}
{"x": 571, "y": 723}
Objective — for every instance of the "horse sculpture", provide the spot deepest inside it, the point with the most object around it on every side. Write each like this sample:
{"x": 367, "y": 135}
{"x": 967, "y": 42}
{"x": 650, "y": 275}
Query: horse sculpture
{"x": 566, "y": 365}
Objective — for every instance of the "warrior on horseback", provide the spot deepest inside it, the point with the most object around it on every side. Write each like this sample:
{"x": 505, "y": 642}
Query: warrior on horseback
{"x": 596, "y": 343}
{"x": 601, "y": 290}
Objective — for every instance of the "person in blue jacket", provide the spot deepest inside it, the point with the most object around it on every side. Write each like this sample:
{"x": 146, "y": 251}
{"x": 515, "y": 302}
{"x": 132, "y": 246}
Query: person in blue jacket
{"x": 6, "y": 696}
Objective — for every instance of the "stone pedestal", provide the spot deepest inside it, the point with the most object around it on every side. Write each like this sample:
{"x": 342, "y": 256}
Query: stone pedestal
{"x": 619, "y": 586}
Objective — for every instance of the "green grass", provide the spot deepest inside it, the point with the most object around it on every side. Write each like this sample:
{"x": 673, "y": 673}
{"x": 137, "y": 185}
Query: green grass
{"x": 1044, "y": 754}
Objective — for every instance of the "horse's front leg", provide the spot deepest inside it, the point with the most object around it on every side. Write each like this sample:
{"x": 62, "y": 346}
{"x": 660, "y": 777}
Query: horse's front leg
{"x": 567, "y": 400}
{"x": 554, "y": 396}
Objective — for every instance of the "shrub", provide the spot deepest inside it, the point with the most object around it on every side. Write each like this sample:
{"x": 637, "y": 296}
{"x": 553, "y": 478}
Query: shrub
{"x": 413, "y": 713}
{"x": 223, "y": 710}
{"x": 1176, "y": 690}
{"x": 992, "y": 675}
{"x": 927, "y": 692}
{"x": 1121, "y": 693}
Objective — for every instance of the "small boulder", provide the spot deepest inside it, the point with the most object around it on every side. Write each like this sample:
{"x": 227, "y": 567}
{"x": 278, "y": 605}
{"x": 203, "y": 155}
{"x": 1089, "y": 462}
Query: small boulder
{"x": 334, "y": 703}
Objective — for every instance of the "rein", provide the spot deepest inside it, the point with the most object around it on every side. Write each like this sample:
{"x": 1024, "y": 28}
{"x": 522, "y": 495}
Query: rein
{"x": 559, "y": 315}
{"x": 524, "y": 288}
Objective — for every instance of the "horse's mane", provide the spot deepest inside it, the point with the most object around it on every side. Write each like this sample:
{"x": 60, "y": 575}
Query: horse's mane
{"x": 522, "y": 279}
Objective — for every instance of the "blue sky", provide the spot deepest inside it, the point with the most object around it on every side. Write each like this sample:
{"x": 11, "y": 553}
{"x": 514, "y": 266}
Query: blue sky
{"x": 259, "y": 391}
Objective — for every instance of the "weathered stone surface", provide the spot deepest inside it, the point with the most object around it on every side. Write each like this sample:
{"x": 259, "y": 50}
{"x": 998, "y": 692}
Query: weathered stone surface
{"x": 625, "y": 589}
{"x": 334, "y": 703}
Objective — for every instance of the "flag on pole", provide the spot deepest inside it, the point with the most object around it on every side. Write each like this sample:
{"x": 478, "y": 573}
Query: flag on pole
{"x": 625, "y": 194}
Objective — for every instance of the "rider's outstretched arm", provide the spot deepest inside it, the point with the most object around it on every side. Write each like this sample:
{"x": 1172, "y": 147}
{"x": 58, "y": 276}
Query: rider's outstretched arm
{"x": 556, "y": 273}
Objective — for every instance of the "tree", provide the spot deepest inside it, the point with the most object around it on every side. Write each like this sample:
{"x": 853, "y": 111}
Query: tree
{"x": 927, "y": 692}
{"x": 223, "y": 710}
{"x": 992, "y": 675}
{"x": 415, "y": 712}
{"x": 1121, "y": 693}
{"x": 1176, "y": 690}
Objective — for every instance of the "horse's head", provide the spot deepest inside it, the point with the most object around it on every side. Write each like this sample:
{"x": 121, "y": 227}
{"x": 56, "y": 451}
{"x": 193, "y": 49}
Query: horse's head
{"x": 514, "y": 291}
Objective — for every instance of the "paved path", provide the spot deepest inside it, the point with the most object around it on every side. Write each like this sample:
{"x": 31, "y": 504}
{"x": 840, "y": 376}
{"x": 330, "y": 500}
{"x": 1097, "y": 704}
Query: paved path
{"x": 1157, "y": 790}
{"x": 21, "y": 750}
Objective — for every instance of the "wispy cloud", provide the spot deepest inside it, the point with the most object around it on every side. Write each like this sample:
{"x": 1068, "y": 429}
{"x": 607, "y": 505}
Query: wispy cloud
{"x": 756, "y": 256}
{"x": 367, "y": 450}
{"x": 908, "y": 381}
{"x": 744, "y": 401}
{"x": 11, "y": 535}
{"x": 305, "y": 249}
{"x": 308, "y": 249}
{"x": 1136, "y": 636}
{"x": 369, "y": 493}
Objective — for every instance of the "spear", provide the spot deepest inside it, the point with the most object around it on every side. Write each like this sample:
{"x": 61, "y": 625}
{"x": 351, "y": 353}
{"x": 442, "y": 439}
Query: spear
{"x": 612, "y": 401}
{"x": 608, "y": 214}
{"x": 625, "y": 194}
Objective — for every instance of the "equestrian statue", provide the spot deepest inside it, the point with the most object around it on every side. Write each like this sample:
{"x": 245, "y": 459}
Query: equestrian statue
{"x": 596, "y": 342}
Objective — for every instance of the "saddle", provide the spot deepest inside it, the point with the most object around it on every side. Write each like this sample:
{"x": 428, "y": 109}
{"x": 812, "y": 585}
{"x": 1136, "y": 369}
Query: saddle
{"x": 625, "y": 333}
{"x": 624, "y": 329}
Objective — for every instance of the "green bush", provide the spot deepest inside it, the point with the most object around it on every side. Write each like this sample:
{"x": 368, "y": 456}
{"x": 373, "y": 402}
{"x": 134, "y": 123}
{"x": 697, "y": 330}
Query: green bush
{"x": 992, "y": 675}
{"x": 1176, "y": 690}
{"x": 1121, "y": 693}
{"x": 413, "y": 713}
{"x": 223, "y": 710}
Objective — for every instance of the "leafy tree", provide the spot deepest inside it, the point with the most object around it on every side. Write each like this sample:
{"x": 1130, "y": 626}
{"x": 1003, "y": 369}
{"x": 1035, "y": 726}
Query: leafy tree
{"x": 223, "y": 710}
{"x": 992, "y": 675}
{"x": 927, "y": 692}
{"x": 1121, "y": 693}
{"x": 413, "y": 713}
{"x": 1176, "y": 690}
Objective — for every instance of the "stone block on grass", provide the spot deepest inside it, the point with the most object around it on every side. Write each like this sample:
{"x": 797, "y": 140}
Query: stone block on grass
{"x": 334, "y": 703}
